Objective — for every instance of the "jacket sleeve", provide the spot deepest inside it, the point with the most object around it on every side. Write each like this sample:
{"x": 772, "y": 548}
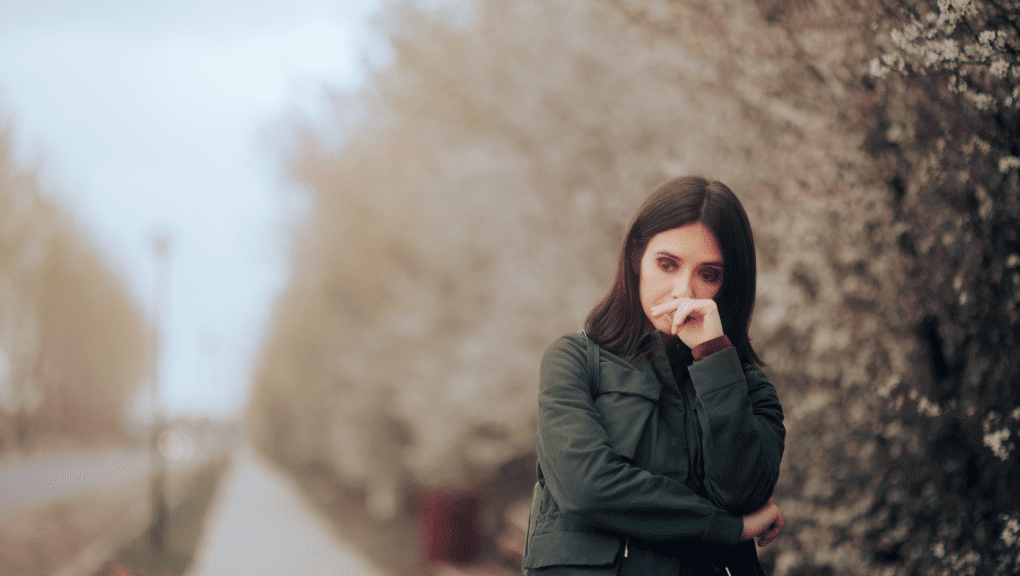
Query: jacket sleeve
{"x": 742, "y": 432}
{"x": 589, "y": 480}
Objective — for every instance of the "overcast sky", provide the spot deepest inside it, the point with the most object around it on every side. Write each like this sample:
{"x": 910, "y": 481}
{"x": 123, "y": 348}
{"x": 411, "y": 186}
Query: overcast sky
{"x": 163, "y": 116}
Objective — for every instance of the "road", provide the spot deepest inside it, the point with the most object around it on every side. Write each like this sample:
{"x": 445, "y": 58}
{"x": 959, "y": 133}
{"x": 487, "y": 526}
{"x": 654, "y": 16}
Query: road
{"x": 66, "y": 511}
{"x": 30, "y": 480}
{"x": 35, "y": 479}
{"x": 260, "y": 523}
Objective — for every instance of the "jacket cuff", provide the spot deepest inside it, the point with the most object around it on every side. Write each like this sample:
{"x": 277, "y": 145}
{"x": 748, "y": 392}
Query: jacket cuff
{"x": 717, "y": 371}
{"x": 723, "y": 528}
{"x": 709, "y": 347}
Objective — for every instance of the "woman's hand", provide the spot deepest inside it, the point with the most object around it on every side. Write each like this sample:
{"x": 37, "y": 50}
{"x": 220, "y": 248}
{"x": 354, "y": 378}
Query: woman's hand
{"x": 694, "y": 321}
{"x": 766, "y": 522}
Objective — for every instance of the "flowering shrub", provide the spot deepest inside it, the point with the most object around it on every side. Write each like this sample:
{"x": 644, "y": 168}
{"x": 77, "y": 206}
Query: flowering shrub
{"x": 947, "y": 76}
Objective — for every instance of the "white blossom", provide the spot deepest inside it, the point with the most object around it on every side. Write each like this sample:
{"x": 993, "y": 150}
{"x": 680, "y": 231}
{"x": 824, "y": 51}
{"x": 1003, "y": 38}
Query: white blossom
{"x": 1011, "y": 533}
{"x": 980, "y": 100}
{"x": 999, "y": 69}
{"x": 1007, "y": 163}
{"x": 928, "y": 408}
{"x": 997, "y": 438}
{"x": 878, "y": 69}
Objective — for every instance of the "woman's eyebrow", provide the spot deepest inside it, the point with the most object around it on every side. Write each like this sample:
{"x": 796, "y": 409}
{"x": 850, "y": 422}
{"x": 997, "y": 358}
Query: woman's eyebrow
{"x": 675, "y": 257}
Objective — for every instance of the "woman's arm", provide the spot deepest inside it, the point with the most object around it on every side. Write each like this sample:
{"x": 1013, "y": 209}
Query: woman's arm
{"x": 588, "y": 479}
{"x": 742, "y": 432}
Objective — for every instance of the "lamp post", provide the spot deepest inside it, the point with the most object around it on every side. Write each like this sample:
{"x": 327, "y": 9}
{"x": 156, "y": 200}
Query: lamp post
{"x": 161, "y": 252}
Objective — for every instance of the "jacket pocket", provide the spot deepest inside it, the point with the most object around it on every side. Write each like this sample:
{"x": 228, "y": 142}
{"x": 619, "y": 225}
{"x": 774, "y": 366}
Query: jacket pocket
{"x": 626, "y": 401}
{"x": 591, "y": 549}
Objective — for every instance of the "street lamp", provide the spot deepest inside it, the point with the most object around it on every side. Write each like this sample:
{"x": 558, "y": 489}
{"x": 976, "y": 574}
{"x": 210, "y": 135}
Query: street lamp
{"x": 161, "y": 252}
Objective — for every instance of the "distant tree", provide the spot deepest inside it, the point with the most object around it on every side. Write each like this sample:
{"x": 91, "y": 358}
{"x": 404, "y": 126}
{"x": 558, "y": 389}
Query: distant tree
{"x": 73, "y": 345}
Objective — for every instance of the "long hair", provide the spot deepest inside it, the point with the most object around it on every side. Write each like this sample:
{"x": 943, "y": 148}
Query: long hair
{"x": 618, "y": 320}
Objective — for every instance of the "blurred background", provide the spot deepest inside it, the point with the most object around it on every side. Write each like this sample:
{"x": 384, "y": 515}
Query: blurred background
{"x": 276, "y": 278}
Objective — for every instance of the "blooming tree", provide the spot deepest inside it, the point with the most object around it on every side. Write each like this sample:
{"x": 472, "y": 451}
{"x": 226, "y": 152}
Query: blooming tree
{"x": 470, "y": 213}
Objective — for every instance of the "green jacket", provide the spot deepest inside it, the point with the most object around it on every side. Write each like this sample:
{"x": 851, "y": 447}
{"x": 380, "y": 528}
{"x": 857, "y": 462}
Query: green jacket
{"x": 646, "y": 465}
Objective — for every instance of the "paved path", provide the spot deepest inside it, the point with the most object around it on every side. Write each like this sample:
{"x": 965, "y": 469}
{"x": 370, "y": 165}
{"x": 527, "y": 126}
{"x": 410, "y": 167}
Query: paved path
{"x": 260, "y": 524}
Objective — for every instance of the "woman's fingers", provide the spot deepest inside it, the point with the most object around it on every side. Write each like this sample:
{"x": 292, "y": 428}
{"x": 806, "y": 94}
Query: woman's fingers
{"x": 765, "y": 523}
{"x": 670, "y": 306}
{"x": 771, "y": 534}
{"x": 774, "y": 528}
{"x": 680, "y": 316}
{"x": 681, "y": 309}
{"x": 694, "y": 321}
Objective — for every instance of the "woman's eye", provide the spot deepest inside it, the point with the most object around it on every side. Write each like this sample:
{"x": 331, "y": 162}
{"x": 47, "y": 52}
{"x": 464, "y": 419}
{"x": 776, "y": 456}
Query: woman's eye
{"x": 667, "y": 265}
{"x": 711, "y": 275}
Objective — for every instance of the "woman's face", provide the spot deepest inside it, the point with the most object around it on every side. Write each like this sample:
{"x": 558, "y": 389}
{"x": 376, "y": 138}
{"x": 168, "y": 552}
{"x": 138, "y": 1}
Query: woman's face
{"x": 683, "y": 262}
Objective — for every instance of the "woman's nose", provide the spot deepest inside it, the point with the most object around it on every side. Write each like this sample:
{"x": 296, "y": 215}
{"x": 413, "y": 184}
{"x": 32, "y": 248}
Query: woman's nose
{"x": 682, "y": 286}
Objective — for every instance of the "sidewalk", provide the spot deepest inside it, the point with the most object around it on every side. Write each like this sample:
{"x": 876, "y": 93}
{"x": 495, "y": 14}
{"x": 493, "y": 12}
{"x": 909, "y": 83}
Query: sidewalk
{"x": 260, "y": 524}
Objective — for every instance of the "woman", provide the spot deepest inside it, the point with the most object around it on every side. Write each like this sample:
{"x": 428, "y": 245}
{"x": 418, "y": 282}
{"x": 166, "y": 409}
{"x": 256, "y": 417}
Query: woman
{"x": 659, "y": 439}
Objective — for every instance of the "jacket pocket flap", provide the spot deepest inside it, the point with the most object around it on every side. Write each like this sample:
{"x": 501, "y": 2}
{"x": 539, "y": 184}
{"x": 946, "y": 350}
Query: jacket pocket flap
{"x": 572, "y": 549}
{"x": 627, "y": 380}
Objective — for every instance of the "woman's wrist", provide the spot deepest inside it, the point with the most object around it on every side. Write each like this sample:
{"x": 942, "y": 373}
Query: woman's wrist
{"x": 709, "y": 347}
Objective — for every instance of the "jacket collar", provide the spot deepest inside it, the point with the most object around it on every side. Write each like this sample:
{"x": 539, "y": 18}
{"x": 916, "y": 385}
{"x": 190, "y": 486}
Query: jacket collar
{"x": 668, "y": 354}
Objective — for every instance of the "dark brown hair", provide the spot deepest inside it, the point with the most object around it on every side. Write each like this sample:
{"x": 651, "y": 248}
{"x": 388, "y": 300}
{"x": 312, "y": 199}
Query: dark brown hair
{"x": 618, "y": 320}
